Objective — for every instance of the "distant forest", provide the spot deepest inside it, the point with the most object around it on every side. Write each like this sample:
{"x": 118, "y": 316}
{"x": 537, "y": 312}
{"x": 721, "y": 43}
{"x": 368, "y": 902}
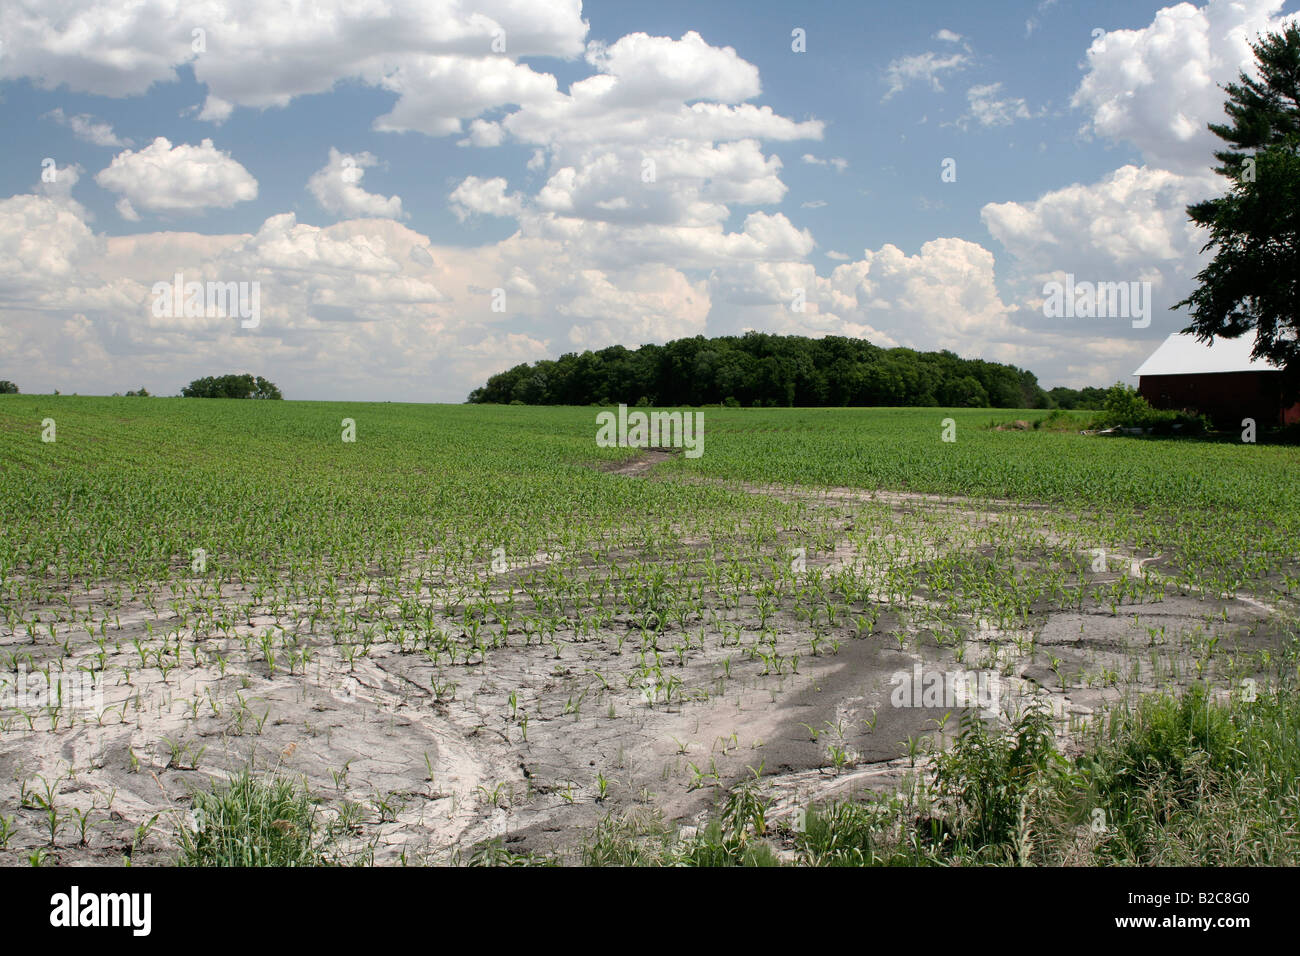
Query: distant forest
{"x": 758, "y": 369}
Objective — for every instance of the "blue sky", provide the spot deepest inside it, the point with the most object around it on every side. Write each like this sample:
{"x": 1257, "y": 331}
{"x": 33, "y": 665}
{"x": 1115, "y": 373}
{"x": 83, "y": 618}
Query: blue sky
{"x": 459, "y": 168}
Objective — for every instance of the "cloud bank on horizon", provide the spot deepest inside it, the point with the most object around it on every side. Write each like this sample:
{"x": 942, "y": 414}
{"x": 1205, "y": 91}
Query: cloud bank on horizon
{"x": 429, "y": 192}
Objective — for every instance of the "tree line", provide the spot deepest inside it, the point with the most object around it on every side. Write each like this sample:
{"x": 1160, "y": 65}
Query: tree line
{"x": 764, "y": 370}
{"x": 211, "y": 386}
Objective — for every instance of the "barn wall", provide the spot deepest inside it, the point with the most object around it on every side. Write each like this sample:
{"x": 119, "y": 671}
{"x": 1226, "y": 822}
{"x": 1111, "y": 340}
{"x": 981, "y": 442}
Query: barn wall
{"x": 1226, "y": 397}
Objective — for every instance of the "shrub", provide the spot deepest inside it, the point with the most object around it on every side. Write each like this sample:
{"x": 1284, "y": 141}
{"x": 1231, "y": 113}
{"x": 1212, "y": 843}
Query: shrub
{"x": 1125, "y": 408}
{"x": 989, "y": 777}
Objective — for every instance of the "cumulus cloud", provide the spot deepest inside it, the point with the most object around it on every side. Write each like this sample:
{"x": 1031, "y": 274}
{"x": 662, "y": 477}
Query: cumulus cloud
{"x": 1133, "y": 220}
{"x": 1129, "y": 227}
{"x": 650, "y": 70}
{"x": 646, "y": 159}
{"x": 484, "y": 134}
{"x": 254, "y": 56}
{"x": 652, "y": 90}
{"x": 945, "y": 296}
{"x": 421, "y": 315}
{"x": 650, "y": 303}
{"x": 177, "y": 179}
{"x": 485, "y": 196}
{"x": 126, "y": 210}
{"x": 435, "y": 93}
{"x": 1157, "y": 87}
{"x": 337, "y": 187}
{"x": 43, "y": 239}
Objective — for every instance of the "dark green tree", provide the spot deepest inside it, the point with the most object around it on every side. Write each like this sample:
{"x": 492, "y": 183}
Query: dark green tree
{"x": 760, "y": 369}
{"x": 1253, "y": 281}
{"x": 7, "y": 387}
{"x": 231, "y": 386}
{"x": 266, "y": 390}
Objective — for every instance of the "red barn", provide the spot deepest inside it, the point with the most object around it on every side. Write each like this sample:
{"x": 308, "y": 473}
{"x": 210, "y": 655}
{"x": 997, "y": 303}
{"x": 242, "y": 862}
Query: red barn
{"x": 1219, "y": 380}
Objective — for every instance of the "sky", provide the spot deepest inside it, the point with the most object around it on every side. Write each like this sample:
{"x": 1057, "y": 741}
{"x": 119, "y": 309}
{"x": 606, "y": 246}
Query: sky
{"x": 414, "y": 195}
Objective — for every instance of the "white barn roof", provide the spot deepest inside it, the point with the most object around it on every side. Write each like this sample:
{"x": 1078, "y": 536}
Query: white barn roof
{"x": 1182, "y": 354}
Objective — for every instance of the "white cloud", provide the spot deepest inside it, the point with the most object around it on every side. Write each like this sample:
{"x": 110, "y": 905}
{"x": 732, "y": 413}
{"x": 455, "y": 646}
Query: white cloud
{"x": 641, "y": 304}
{"x": 945, "y": 296}
{"x": 84, "y": 127}
{"x": 1159, "y": 86}
{"x": 258, "y": 56}
{"x": 646, "y": 70}
{"x": 435, "y": 93}
{"x": 485, "y": 196}
{"x": 923, "y": 67}
{"x": 947, "y": 36}
{"x": 483, "y": 134}
{"x": 652, "y": 90}
{"x": 65, "y": 177}
{"x": 421, "y": 315}
{"x": 285, "y": 243}
{"x": 126, "y": 210}
{"x": 838, "y": 162}
{"x": 646, "y": 160}
{"x": 1129, "y": 227}
{"x": 180, "y": 179}
{"x": 42, "y": 241}
{"x": 1133, "y": 221}
{"x": 337, "y": 187}
{"x": 602, "y": 251}
{"x": 988, "y": 110}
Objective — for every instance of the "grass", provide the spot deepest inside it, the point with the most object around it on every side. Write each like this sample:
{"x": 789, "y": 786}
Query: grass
{"x": 248, "y": 821}
{"x": 1187, "y": 782}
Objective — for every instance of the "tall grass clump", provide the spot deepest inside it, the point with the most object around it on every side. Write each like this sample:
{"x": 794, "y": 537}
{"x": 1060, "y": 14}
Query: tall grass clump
{"x": 1187, "y": 781}
{"x": 250, "y": 822}
{"x": 996, "y": 787}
